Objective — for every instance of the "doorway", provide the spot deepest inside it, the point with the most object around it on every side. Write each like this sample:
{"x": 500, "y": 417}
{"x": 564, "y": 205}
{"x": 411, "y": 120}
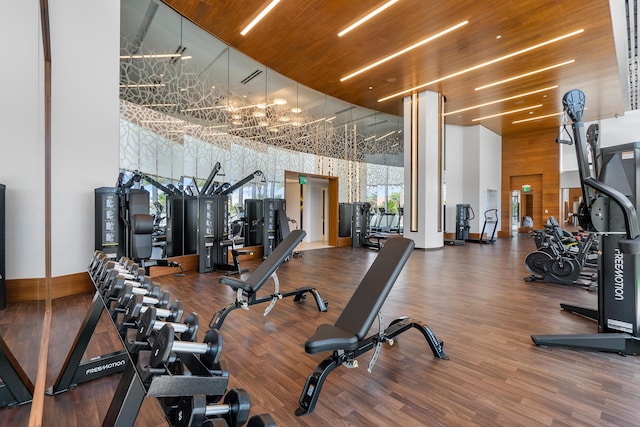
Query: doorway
{"x": 515, "y": 212}
{"x": 309, "y": 203}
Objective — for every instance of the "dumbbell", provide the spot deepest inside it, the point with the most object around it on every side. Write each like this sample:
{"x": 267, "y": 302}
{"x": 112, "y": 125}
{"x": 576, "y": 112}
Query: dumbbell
{"x": 149, "y": 323}
{"x": 159, "y": 301}
{"x": 135, "y": 307}
{"x": 114, "y": 283}
{"x": 129, "y": 290}
{"x": 131, "y": 271}
{"x": 193, "y": 410}
{"x": 262, "y": 420}
{"x": 165, "y": 344}
{"x": 97, "y": 258}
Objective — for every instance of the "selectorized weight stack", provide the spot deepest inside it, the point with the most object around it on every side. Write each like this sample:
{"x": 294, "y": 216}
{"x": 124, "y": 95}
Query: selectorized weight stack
{"x": 360, "y": 224}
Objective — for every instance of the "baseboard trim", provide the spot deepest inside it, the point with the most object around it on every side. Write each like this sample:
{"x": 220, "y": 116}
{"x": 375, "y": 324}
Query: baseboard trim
{"x": 33, "y": 289}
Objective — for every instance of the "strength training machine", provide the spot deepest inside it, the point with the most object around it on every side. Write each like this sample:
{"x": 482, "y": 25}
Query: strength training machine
{"x": 611, "y": 212}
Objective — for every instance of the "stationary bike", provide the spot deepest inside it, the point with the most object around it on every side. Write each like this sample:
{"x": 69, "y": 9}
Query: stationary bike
{"x": 556, "y": 263}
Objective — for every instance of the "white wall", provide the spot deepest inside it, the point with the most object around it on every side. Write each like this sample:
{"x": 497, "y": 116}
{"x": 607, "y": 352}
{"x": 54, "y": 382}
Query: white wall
{"x": 473, "y": 166}
{"x": 84, "y": 130}
{"x": 85, "y": 45}
{"x": 312, "y": 211}
{"x": 471, "y": 174}
{"x": 615, "y": 131}
{"x": 22, "y": 152}
{"x": 454, "y": 152}
{"x": 490, "y": 173}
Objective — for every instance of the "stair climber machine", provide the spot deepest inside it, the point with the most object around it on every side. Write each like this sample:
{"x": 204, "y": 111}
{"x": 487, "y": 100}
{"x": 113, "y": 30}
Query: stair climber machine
{"x": 610, "y": 201}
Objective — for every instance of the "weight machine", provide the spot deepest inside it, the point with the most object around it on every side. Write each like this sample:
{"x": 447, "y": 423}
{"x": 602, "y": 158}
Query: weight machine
{"x": 609, "y": 208}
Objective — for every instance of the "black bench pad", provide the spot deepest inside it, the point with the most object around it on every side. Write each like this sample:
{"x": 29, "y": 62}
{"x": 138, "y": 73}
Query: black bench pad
{"x": 365, "y": 303}
{"x": 329, "y": 337}
{"x": 260, "y": 276}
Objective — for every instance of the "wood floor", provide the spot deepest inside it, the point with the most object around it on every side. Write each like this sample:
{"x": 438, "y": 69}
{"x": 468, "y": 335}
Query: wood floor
{"x": 473, "y": 297}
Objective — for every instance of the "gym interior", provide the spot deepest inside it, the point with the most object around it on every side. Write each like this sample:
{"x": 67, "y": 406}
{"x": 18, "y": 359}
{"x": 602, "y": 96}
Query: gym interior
{"x": 207, "y": 208}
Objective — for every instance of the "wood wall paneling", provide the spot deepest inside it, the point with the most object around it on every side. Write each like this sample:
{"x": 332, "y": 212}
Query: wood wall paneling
{"x": 525, "y": 156}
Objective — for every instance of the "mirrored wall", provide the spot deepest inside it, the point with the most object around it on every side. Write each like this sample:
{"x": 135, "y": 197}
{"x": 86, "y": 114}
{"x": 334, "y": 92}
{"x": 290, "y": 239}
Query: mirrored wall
{"x": 189, "y": 101}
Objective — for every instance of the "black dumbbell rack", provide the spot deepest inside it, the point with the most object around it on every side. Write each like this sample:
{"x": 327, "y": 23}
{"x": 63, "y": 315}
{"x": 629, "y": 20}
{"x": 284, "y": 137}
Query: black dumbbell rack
{"x": 16, "y": 387}
{"x": 138, "y": 379}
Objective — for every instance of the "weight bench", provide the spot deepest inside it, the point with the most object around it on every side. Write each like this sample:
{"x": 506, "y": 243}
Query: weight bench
{"x": 379, "y": 237}
{"x": 346, "y": 338}
{"x": 246, "y": 290}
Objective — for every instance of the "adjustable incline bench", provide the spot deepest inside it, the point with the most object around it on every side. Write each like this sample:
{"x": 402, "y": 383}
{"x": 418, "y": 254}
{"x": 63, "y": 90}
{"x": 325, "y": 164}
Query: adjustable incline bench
{"x": 347, "y": 337}
{"x": 247, "y": 290}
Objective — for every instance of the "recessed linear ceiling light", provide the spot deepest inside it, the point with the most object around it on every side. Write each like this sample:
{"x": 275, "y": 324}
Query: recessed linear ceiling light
{"x": 125, "y": 85}
{"x": 507, "y": 112}
{"x": 537, "y": 118}
{"x": 153, "y": 56}
{"x": 259, "y": 17}
{"x": 386, "y": 135}
{"x": 530, "y": 73}
{"x": 484, "y": 64}
{"x": 366, "y": 18}
{"x": 520, "y": 95}
{"x": 405, "y": 50}
{"x": 215, "y": 107}
{"x": 158, "y": 105}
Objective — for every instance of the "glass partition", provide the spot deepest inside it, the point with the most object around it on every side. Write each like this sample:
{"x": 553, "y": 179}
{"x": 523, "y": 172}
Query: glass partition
{"x": 189, "y": 101}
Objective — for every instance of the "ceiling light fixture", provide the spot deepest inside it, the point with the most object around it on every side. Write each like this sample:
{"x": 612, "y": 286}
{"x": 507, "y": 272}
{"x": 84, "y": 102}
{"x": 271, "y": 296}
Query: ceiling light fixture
{"x": 158, "y": 105}
{"x": 151, "y": 56}
{"x": 187, "y": 110}
{"x": 386, "y": 135}
{"x": 506, "y": 113}
{"x": 130, "y": 85}
{"x": 520, "y": 95}
{"x": 530, "y": 73}
{"x": 484, "y": 64}
{"x": 537, "y": 118}
{"x": 366, "y": 18}
{"x": 296, "y": 110}
{"x": 280, "y": 101}
{"x": 259, "y": 17}
{"x": 405, "y": 50}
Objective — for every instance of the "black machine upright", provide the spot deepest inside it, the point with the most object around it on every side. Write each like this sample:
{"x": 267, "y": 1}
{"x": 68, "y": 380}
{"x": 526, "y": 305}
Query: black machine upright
{"x": 263, "y": 224}
{"x": 3, "y": 285}
{"x": 609, "y": 208}
{"x": 360, "y": 217}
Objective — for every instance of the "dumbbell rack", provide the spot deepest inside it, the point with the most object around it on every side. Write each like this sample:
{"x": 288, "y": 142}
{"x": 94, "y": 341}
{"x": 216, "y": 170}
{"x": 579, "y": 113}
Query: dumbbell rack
{"x": 16, "y": 387}
{"x": 74, "y": 370}
{"x": 138, "y": 379}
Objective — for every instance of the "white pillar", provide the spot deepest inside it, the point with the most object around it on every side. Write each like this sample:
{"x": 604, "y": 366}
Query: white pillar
{"x": 423, "y": 170}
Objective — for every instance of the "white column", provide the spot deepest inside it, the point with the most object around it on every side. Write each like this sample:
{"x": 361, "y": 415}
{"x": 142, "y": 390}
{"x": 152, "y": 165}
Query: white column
{"x": 423, "y": 170}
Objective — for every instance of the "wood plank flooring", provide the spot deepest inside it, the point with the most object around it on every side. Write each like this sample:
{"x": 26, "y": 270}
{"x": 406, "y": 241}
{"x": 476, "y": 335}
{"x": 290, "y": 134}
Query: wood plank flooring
{"x": 473, "y": 297}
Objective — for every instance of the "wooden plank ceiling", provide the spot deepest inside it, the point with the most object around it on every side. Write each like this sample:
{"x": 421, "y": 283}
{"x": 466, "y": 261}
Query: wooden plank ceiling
{"x": 299, "y": 40}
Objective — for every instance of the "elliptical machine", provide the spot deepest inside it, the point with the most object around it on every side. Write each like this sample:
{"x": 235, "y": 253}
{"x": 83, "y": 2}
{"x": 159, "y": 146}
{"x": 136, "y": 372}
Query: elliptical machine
{"x": 612, "y": 213}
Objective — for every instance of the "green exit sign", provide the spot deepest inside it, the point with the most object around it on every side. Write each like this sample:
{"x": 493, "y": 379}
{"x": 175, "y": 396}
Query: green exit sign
{"x": 302, "y": 179}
